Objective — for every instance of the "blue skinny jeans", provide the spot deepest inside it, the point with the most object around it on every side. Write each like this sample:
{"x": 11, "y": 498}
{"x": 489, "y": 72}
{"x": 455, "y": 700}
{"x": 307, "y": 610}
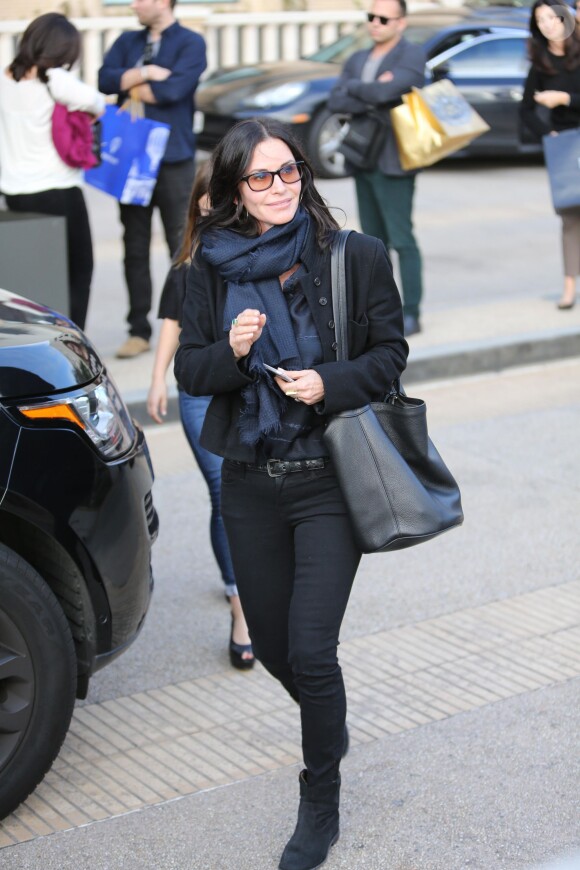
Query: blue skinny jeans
{"x": 192, "y": 410}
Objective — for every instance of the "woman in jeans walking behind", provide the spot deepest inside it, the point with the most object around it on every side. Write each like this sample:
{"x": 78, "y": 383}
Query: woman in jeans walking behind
{"x": 259, "y": 292}
{"x": 192, "y": 411}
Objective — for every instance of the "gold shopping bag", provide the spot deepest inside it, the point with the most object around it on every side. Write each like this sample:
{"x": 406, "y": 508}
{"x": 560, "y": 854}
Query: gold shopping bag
{"x": 433, "y": 122}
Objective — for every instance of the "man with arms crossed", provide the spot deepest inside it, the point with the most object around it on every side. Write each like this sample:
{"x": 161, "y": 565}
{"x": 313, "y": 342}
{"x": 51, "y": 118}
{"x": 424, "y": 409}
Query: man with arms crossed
{"x": 379, "y": 77}
{"x": 159, "y": 65}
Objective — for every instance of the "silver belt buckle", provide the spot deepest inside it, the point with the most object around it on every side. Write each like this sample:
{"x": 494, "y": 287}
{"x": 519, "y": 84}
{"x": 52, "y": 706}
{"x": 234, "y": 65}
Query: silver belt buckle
{"x": 269, "y": 466}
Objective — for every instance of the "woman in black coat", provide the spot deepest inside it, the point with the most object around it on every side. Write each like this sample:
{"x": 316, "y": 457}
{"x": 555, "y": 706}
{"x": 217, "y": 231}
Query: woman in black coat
{"x": 259, "y": 294}
{"x": 554, "y": 83}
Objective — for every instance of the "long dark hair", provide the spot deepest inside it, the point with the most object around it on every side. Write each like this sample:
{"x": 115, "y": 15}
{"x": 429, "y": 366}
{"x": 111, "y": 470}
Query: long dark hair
{"x": 538, "y": 44}
{"x": 199, "y": 190}
{"x": 230, "y": 161}
{"x": 51, "y": 40}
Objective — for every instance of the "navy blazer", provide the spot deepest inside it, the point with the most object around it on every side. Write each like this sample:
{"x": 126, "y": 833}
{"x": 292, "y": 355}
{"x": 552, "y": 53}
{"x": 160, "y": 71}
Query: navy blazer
{"x": 205, "y": 363}
{"x": 352, "y": 96}
{"x": 183, "y": 52}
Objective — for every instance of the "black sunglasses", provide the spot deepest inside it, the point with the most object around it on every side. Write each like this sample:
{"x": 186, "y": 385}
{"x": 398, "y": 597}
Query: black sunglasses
{"x": 381, "y": 18}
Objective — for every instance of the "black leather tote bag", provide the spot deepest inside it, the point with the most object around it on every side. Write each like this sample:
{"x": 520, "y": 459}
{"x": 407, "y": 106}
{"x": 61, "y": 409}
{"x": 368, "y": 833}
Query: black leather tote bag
{"x": 364, "y": 139}
{"x": 397, "y": 488}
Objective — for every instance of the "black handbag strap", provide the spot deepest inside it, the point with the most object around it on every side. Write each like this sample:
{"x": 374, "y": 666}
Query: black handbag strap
{"x": 338, "y": 279}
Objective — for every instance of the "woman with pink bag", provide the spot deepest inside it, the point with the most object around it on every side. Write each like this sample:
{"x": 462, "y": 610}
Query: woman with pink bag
{"x": 33, "y": 176}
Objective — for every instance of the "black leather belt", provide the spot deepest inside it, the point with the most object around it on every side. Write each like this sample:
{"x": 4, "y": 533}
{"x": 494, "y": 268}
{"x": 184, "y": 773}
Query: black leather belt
{"x": 279, "y": 467}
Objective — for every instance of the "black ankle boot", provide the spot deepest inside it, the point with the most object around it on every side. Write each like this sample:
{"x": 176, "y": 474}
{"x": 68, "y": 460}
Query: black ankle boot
{"x": 317, "y": 826}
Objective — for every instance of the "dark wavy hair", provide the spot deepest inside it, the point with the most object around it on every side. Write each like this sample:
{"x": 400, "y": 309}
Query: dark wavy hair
{"x": 230, "y": 161}
{"x": 51, "y": 40}
{"x": 538, "y": 44}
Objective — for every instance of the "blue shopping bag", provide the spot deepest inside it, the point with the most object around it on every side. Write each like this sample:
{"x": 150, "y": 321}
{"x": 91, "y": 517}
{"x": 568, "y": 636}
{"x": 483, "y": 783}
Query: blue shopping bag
{"x": 562, "y": 154}
{"x": 131, "y": 152}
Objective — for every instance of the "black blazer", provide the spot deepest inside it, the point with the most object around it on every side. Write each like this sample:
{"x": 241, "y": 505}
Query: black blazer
{"x": 205, "y": 363}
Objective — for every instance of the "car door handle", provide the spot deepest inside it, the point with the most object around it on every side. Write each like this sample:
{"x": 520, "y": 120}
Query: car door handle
{"x": 514, "y": 94}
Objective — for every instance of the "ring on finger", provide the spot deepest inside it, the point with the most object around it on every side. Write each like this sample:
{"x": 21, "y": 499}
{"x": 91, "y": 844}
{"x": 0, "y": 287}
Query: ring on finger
{"x": 235, "y": 321}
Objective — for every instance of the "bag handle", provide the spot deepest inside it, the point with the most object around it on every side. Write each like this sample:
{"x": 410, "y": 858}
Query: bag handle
{"x": 340, "y": 310}
{"x": 338, "y": 280}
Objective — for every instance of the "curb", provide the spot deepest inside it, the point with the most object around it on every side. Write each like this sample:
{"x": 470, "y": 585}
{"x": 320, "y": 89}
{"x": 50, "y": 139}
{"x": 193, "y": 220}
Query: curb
{"x": 491, "y": 355}
{"x": 448, "y": 361}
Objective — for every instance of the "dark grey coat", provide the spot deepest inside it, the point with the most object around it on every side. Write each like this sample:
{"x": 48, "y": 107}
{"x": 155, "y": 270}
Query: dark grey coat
{"x": 205, "y": 363}
{"x": 351, "y": 95}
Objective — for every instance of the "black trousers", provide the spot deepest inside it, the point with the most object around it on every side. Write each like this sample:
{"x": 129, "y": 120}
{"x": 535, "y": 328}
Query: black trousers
{"x": 69, "y": 203}
{"x": 295, "y": 561}
{"x": 171, "y": 196}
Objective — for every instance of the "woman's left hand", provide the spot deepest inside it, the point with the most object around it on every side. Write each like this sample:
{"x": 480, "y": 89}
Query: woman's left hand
{"x": 308, "y": 387}
{"x": 552, "y": 99}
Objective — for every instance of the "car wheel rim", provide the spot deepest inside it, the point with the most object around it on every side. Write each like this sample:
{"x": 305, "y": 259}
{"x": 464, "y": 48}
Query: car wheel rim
{"x": 17, "y": 688}
{"x": 332, "y": 133}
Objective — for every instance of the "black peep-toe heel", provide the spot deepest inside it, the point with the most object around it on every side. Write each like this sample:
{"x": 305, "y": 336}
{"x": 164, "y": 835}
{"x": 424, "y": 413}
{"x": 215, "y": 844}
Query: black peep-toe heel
{"x": 237, "y": 650}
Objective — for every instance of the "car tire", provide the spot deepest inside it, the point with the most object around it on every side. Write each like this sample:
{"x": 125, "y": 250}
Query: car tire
{"x": 324, "y": 136}
{"x": 37, "y": 679}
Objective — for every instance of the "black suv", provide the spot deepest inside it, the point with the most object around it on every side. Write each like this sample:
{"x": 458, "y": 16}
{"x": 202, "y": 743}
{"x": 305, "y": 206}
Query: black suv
{"x": 76, "y": 527}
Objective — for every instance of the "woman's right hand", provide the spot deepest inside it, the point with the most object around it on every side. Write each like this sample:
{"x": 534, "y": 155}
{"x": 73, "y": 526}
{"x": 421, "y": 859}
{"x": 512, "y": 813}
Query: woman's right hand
{"x": 246, "y": 328}
{"x": 157, "y": 401}
{"x": 552, "y": 99}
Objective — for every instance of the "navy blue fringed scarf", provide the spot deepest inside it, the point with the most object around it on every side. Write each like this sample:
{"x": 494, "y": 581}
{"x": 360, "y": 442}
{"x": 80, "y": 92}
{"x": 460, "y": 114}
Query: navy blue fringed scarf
{"x": 252, "y": 268}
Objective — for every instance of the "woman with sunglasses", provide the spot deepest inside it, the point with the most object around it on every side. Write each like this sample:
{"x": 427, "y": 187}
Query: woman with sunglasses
{"x": 554, "y": 83}
{"x": 259, "y": 294}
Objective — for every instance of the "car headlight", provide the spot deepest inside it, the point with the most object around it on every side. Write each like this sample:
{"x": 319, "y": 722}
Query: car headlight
{"x": 97, "y": 410}
{"x": 278, "y": 96}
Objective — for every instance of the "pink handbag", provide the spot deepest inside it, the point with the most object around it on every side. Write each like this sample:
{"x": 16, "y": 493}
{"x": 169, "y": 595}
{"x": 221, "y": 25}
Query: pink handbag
{"x": 77, "y": 137}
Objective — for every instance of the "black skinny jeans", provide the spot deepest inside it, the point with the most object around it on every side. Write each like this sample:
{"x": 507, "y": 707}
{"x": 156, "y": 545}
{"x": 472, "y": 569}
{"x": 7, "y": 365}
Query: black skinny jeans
{"x": 171, "y": 196}
{"x": 69, "y": 203}
{"x": 295, "y": 560}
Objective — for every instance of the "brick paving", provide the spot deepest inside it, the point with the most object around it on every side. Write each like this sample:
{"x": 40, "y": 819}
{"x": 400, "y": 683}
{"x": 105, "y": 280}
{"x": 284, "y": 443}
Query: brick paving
{"x": 154, "y": 746}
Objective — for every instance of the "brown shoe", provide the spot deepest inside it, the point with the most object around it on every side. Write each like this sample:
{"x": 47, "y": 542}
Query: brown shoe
{"x": 133, "y": 347}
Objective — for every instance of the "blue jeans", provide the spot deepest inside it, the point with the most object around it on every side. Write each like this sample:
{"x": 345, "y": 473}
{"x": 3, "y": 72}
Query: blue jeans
{"x": 192, "y": 410}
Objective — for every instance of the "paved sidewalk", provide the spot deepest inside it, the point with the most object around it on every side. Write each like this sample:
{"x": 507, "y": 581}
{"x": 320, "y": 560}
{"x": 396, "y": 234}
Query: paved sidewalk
{"x": 461, "y": 659}
{"x": 144, "y": 750}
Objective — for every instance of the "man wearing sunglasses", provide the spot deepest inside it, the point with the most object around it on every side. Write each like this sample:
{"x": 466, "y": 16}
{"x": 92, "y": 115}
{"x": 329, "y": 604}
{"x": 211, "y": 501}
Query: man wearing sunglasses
{"x": 377, "y": 78}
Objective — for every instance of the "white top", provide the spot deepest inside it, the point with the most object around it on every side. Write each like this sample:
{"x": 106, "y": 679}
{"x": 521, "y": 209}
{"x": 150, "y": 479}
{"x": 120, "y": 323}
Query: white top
{"x": 29, "y": 162}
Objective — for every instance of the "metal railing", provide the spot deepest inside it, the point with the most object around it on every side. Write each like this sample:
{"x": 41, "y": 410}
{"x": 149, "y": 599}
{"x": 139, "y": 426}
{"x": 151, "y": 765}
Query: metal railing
{"x": 232, "y": 39}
